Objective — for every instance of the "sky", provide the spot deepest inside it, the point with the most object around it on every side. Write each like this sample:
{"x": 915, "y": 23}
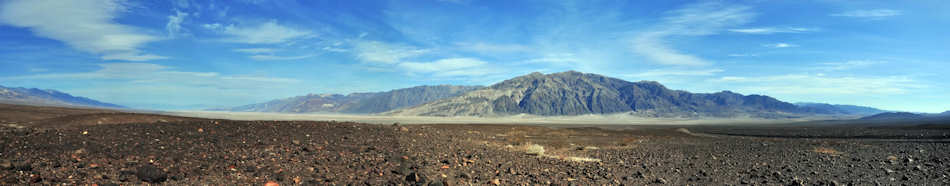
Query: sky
{"x": 196, "y": 54}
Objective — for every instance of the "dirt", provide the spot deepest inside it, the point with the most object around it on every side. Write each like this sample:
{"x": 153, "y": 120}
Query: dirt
{"x": 148, "y": 149}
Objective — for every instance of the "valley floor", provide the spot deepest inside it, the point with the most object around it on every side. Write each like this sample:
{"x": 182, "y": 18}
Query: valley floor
{"x": 77, "y": 148}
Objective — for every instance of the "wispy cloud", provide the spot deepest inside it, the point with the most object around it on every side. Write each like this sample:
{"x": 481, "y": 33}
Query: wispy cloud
{"x": 492, "y": 48}
{"x": 153, "y": 73}
{"x": 773, "y": 30}
{"x": 86, "y": 25}
{"x": 820, "y": 84}
{"x": 173, "y": 27}
{"x": 556, "y": 58}
{"x": 256, "y": 50}
{"x": 449, "y": 67}
{"x": 268, "y": 57}
{"x": 677, "y": 72}
{"x": 694, "y": 20}
{"x": 742, "y": 55}
{"x": 381, "y": 52}
{"x": 779, "y": 45}
{"x": 269, "y": 32}
{"x": 871, "y": 14}
{"x": 847, "y": 65}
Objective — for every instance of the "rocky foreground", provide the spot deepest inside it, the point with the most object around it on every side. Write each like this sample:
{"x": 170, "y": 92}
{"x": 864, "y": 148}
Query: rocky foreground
{"x": 222, "y": 152}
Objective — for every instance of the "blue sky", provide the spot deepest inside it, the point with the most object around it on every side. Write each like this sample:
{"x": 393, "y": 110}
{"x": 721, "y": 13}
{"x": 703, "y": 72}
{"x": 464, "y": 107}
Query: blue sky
{"x": 191, "y": 54}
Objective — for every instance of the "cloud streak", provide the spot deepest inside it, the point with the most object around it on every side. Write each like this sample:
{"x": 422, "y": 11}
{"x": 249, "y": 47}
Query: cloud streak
{"x": 269, "y": 32}
{"x": 874, "y": 13}
{"x": 779, "y": 45}
{"x": 86, "y": 25}
{"x": 805, "y": 84}
{"x": 694, "y": 20}
{"x": 773, "y": 30}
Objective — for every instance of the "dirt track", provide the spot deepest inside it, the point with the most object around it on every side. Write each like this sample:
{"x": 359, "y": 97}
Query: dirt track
{"x": 191, "y": 151}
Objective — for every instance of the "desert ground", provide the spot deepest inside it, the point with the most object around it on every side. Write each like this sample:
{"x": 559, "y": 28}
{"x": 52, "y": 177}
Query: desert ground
{"x": 52, "y": 146}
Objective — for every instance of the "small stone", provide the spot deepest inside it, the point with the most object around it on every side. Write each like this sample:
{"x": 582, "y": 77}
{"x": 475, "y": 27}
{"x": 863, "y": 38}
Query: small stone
{"x": 271, "y": 183}
{"x": 496, "y": 181}
{"x": 413, "y": 177}
{"x": 6, "y": 165}
{"x": 660, "y": 181}
{"x": 464, "y": 176}
{"x": 151, "y": 174}
{"x": 436, "y": 183}
{"x": 295, "y": 142}
{"x": 404, "y": 129}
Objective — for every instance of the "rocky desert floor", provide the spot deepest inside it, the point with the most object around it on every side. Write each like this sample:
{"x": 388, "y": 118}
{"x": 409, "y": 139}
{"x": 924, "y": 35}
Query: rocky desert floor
{"x": 54, "y": 146}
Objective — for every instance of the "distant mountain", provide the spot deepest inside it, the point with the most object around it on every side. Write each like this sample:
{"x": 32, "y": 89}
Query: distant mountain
{"x": 841, "y": 109}
{"x": 359, "y": 103}
{"x": 33, "y": 96}
{"x": 575, "y": 93}
{"x": 895, "y": 116}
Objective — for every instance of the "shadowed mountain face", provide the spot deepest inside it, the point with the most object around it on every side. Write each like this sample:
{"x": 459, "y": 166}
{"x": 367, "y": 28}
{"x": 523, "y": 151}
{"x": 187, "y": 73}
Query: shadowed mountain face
{"x": 33, "y": 96}
{"x": 842, "y": 109}
{"x": 575, "y": 93}
{"x": 359, "y": 103}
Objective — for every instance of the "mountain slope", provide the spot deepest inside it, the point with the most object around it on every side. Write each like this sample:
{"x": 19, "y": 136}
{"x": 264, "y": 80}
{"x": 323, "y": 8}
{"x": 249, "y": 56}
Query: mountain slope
{"x": 842, "y": 109}
{"x": 575, "y": 93}
{"x": 33, "y": 96}
{"x": 360, "y": 103}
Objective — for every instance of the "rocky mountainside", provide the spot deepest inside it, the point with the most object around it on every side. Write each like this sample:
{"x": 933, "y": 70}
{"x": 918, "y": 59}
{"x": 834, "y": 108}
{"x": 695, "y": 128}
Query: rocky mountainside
{"x": 841, "y": 109}
{"x": 359, "y": 103}
{"x": 33, "y": 96}
{"x": 575, "y": 93}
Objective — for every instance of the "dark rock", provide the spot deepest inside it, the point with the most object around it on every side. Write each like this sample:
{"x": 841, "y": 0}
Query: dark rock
{"x": 151, "y": 174}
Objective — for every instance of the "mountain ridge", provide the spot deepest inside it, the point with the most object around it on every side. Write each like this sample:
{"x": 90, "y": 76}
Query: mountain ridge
{"x": 358, "y": 103}
{"x": 35, "y": 96}
{"x": 576, "y": 93}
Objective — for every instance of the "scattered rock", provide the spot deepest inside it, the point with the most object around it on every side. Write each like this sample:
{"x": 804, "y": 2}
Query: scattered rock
{"x": 660, "y": 181}
{"x": 150, "y": 173}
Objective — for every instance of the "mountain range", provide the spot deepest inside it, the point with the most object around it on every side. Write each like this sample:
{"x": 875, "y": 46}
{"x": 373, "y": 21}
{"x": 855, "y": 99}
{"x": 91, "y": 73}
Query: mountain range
{"x": 34, "y": 96}
{"x": 842, "y": 109}
{"x": 358, "y": 103}
{"x": 565, "y": 93}
{"x": 576, "y": 93}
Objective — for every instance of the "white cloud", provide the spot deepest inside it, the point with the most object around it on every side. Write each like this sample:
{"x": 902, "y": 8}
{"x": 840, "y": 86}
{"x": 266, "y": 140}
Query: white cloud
{"x": 556, "y": 58}
{"x": 677, "y": 72}
{"x": 256, "y": 50}
{"x": 694, "y": 20}
{"x": 269, "y": 32}
{"x": 278, "y": 58}
{"x": 174, "y": 23}
{"x": 780, "y": 45}
{"x": 132, "y": 56}
{"x": 448, "y": 67}
{"x": 334, "y": 49}
{"x": 380, "y": 52}
{"x": 820, "y": 84}
{"x": 212, "y": 26}
{"x": 871, "y": 14}
{"x": 847, "y": 65}
{"x": 773, "y": 30}
{"x": 743, "y": 55}
{"x": 493, "y": 48}
{"x": 86, "y": 25}
{"x": 146, "y": 72}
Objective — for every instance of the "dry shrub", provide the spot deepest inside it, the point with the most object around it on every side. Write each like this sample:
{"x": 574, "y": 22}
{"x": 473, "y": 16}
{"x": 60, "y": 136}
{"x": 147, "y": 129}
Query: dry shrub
{"x": 827, "y": 151}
